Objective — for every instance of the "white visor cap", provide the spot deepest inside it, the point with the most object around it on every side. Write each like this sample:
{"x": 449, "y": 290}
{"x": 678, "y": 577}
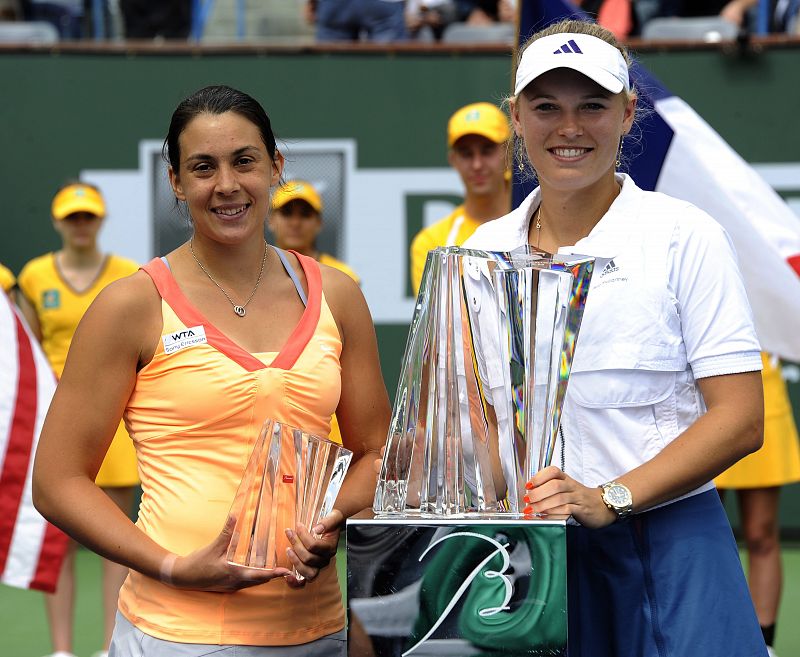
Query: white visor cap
{"x": 596, "y": 59}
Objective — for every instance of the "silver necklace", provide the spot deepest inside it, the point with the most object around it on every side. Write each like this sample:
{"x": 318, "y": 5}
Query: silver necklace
{"x": 239, "y": 310}
{"x": 538, "y": 225}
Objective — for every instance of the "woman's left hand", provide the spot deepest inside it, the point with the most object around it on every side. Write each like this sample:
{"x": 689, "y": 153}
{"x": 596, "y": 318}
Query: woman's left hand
{"x": 553, "y": 492}
{"x": 311, "y": 552}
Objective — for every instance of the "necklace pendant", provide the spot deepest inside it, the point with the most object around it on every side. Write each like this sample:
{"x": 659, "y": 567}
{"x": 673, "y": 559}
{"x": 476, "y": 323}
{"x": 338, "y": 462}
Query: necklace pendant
{"x": 239, "y": 310}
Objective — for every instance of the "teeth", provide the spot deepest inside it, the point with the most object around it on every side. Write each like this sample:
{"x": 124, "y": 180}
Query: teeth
{"x": 570, "y": 152}
{"x": 229, "y": 212}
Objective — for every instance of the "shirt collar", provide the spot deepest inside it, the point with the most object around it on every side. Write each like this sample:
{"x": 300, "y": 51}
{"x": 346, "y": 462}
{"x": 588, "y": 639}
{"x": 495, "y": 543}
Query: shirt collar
{"x": 622, "y": 209}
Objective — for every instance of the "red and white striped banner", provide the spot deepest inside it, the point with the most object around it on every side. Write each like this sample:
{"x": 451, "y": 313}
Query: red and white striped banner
{"x": 31, "y": 549}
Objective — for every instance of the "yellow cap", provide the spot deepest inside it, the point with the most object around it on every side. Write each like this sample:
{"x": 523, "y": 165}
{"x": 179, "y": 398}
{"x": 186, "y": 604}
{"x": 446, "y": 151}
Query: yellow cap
{"x": 482, "y": 119}
{"x": 78, "y": 198}
{"x": 295, "y": 190}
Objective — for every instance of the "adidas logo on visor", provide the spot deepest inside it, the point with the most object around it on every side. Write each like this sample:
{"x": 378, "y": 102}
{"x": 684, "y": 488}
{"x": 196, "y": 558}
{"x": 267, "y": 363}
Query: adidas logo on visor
{"x": 569, "y": 47}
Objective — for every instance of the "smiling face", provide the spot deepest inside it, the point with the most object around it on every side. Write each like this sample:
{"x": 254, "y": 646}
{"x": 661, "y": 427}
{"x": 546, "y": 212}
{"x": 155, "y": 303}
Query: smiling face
{"x": 295, "y": 225}
{"x": 571, "y": 127}
{"x": 225, "y": 176}
{"x": 481, "y": 163}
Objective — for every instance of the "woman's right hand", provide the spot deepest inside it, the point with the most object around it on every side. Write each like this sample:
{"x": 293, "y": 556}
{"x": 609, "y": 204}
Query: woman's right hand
{"x": 207, "y": 569}
{"x": 552, "y": 492}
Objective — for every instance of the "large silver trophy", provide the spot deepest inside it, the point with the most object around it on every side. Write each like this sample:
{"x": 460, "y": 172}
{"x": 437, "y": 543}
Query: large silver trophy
{"x": 484, "y": 376}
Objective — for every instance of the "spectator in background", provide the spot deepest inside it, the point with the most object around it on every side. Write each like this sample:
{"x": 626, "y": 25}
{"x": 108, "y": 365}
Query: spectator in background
{"x": 688, "y": 8}
{"x": 434, "y": 14}
{"x": 73, "y": 19}
{"x": 55, "y": 290}
{"x": 437, "y": 15}
{"x": 7, "y": 280}
{"x": 10, "y": 10}
{"x": 477, "y": 137}
{"x": 783, "y": 13}
{"x": 486, "y": 12}
{"x": 381, "y": 21}
{"x": 617, "y": 16}
{"x": 167, "y": 19}
{"x": 736, "y": 11}
{"x": 65, "y": 15}
{"x": 296, "y": 221}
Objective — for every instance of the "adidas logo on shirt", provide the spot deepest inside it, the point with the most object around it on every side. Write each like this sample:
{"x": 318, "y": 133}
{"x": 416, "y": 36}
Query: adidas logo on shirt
{"x": 569, "y": 47}
{"x": 610, "y": 268}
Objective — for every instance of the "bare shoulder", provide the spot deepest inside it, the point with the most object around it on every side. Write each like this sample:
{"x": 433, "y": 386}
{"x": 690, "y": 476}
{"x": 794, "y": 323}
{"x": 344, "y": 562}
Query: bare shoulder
{"x": 132, "y": 294}
{"x": 341, "y": 291}
{"x": 126, "y": 313}
{"x": 347, "y": 303}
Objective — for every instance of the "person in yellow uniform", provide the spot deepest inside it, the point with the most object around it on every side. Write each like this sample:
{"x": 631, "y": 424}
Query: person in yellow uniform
{"x": 7, "y": 280}
{"x": 55, "y": 290}
{"x": 296, "y": 221}
{"x": 477, "y": 138}
{"x": 757, "y": 479}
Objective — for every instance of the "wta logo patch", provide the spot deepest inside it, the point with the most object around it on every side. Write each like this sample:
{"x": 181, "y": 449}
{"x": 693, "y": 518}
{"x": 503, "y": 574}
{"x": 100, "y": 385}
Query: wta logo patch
{"x": 183, "y": 339}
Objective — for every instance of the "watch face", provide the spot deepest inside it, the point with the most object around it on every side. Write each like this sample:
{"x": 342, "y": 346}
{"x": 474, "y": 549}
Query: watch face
{"x": 618, "y": 496}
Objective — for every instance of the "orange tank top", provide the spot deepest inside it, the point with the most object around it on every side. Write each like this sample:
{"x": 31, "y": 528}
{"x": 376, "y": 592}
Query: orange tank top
{"x": 194, "y": 415}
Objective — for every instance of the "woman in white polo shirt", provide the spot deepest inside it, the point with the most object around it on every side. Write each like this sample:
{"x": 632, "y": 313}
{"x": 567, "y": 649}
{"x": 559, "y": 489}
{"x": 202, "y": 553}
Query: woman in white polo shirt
{"x": 665, "y": 390}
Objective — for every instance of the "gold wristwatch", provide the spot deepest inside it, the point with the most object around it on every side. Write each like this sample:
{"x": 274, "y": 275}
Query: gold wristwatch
{"x": 618, "y": 498}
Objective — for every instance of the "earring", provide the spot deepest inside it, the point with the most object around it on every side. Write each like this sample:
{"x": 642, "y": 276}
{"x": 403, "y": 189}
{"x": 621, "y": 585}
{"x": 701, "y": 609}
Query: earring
{"x": 619, "y": 152}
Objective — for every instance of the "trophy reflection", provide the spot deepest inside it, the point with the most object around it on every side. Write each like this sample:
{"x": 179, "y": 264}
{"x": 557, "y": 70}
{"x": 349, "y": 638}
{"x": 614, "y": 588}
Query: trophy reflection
{"x": 292, "y": 477}
{"x": 483, "y": 380}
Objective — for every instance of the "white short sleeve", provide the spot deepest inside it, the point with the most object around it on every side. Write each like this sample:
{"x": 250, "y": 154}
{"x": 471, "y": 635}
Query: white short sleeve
{"x": 715, "y": 315}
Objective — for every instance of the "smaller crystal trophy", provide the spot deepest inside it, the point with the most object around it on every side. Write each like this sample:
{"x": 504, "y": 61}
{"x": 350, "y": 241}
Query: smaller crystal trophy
{"x": 292, "y": 477}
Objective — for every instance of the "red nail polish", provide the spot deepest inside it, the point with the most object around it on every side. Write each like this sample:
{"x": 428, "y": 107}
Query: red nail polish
{"x": 527, "y": 510}
{"x": 526, "y": 499}
{"x": 529, "y": 486}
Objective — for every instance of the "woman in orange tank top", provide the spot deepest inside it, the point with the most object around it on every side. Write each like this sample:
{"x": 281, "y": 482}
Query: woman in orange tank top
{"x": 275, "y": 335}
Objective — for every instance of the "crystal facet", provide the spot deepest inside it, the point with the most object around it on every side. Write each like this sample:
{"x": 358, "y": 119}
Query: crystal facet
{"x": 292, "y": 477}
{"x": 483, "y": 379}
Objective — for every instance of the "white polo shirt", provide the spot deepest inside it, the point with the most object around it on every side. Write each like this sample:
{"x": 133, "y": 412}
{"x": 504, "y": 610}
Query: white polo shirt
{"x": 667, "y": 308}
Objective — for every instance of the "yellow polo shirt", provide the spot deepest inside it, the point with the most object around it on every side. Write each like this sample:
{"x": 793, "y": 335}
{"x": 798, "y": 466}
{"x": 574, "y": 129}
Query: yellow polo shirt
{"x": 327, "y": 259}
{"x": 453, "y": 230}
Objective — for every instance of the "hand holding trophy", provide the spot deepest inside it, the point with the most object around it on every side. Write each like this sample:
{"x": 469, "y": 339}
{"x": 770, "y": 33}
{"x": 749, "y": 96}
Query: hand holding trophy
{"x": 285, "y": 497}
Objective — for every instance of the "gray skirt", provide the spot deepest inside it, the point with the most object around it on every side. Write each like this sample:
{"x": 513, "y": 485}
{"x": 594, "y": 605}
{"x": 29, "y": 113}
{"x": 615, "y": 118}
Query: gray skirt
{"x": 129, "y": 641}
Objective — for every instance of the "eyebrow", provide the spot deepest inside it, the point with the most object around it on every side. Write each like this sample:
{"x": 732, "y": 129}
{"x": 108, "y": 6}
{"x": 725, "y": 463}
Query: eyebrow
{"x": 206, "y": 156}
